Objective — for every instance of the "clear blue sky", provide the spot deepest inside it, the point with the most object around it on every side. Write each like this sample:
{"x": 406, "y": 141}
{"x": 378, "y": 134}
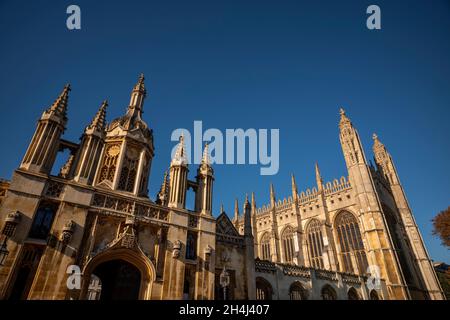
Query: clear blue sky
{"x": 245, "y": 64}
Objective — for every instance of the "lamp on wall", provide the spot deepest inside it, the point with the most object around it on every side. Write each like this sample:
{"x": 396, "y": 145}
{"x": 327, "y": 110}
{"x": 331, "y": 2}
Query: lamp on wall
{"x": 11, "y": 222}
{"x": 224, "y": 281}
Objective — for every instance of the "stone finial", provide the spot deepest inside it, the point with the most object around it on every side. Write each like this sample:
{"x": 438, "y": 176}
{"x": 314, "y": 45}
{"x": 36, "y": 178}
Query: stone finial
{"x": 140, "y": 85}
{"x": 180, "y": 154}
{"x": 272, "y": 195}
{"x": 236, "y": 210}
{"x": 59, "y": 106}
{"x": 99, "y": 120}
{"x": 319, "y": 179}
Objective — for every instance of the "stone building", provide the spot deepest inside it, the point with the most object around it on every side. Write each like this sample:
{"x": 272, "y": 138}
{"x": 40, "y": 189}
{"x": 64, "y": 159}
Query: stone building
{"x": 92, "y": 232}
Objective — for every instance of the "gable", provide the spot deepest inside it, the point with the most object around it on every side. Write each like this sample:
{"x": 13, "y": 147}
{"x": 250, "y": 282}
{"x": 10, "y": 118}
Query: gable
{"x": 225, "y": 226}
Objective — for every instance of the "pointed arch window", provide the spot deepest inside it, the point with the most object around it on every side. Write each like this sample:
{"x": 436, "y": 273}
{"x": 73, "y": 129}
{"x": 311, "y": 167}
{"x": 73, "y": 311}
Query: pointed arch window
{"x": 328, "y": 293}
{"x": 42, "y": 221}
{"x": 288, "y": 244}
{"x": 297, "y": 292}
{"x": 191, "y": 246}
{"x": 129, "y": 170}
{"x": 265, "y": 247}
{"x": 350, "y": 242}
{"x": 315, "y": 244}
{"x": 109, "y": 164}
{"x": 352, "y": 294}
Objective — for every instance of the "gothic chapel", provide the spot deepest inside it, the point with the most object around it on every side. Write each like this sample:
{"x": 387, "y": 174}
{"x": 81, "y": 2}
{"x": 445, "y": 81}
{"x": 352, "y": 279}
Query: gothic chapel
{"x": 353, "y": 238}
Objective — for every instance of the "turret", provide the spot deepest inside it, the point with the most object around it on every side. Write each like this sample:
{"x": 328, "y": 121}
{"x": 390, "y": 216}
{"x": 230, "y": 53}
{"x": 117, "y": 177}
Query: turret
{"x": 378, "y": 242}
{"x": 91, "y": 146}
{"x": 205, "y": 179}
{"x": 178, "y": 177}
{"x": 44, "y": 146}
{"x": 420, "y": 263}
{"x": 128, "y": 152}
{"x": 249, "y": 251}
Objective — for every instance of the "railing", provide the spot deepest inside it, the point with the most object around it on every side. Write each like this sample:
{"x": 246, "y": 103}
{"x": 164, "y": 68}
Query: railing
{"x": 350, "y": 278}
{"x": 126, "y": 206}
{"x": 265, "y": 266}
{"x": 337, "y": 186}
{"x": 326, "y": 275}
{"x": 292, "y": 270}
{"x": 296, "y": 271}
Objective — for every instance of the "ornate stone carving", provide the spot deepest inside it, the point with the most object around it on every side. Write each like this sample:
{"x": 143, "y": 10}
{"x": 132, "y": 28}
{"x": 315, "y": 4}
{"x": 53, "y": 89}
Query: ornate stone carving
{"x": 54, "y": 189}
{"x": 67, "y": 232}
{"x": 176, "y": 249}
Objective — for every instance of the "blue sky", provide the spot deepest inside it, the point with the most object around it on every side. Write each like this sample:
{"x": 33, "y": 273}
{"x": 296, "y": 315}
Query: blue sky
{"x": 288, "y": 65}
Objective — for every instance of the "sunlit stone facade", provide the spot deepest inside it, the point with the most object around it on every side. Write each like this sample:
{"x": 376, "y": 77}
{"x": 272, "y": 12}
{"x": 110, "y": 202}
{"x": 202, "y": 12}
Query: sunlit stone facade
{"x": 96, "y": 215}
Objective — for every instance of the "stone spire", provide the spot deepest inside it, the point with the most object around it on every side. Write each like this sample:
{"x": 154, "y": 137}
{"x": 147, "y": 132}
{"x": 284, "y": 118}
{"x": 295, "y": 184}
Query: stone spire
{"x": 377, "y": 143}
{"x": 206, "y": 160}
{"x": 163, "y": 194}
{"x": 222, "y": 210}
{"x": 236, "y": 211}
{"x": 133, "y": 117}
{"x": 294, "y": 188}
{"x": 140, "y": 85}
{"x": 180, "y": 158}
{"x": 272, "y": 196}
{"x": 253, "y": 203}
{"x": 319, "y": 180}
{"x": 344, "y": 119}
{"x": 350, "y": 142}
{"x": 247, "y": 218}
{"x": 178, "y": 177}
{"x": 99, "y": 121}
{"x": 205, "y": 167}
{"x": 59, "y": 107}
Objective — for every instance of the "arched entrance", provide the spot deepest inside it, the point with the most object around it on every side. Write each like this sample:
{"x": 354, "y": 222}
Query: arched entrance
{"x": 123, "y": 274}
{"x": 120, "y": 280}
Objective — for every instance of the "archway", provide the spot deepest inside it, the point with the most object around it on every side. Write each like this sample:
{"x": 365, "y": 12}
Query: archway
{"x": 352, "y": 294}
{"x": 297, "y": 292}
{"x": 120, "y": 265}
{"x": 120, "y": 280}
{"x": 263, "y": 289}
{"x": 374, "y": 295}
{"x": 328, "y": 293}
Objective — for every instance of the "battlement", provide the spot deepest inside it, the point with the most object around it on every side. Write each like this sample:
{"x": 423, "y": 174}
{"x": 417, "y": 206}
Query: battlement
{"x": 307, "y": 196}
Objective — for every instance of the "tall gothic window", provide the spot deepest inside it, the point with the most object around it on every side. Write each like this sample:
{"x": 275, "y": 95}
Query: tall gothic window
{"x": 350, "y": 242}
{"x": 288, "y": 244}
{"x": 129, "y": 170}
{"x": 315, "y": 244}
{"x": 265, "y": 247}
{"x": 144, "y": 176}
{"x": 191, "y": 246}
{"x": 109, "y": 164}
{"x": 42, "y": 221}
